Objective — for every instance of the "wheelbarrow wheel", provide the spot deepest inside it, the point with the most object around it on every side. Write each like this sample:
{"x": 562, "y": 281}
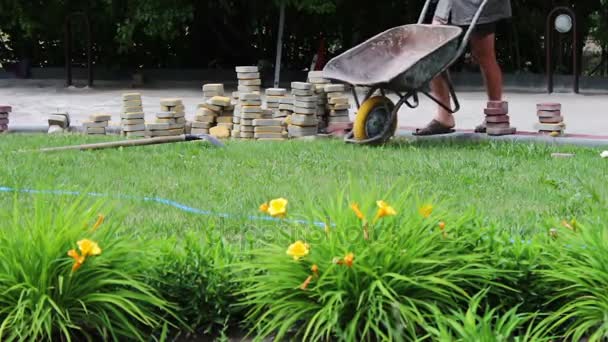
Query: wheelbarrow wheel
{"x": 372, "y": 118}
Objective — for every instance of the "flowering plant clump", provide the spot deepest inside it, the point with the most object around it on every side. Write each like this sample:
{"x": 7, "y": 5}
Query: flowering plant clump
{"x": 356, "y": 287}
{"x": 104, "y": 300}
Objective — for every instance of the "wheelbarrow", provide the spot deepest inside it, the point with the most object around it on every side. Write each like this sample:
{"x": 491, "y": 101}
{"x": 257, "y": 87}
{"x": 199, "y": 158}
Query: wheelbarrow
{"x": 403, "y": 61}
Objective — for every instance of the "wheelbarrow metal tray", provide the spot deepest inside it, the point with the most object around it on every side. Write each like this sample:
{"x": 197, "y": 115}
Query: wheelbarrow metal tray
{"x": 404, "y": 58}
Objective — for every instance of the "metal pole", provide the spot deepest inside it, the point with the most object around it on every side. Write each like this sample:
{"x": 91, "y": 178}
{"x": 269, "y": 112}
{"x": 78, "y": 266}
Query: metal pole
{"x": 277, "y": 66}
{"x": 89, "y": 50}
{"x": 575, "y": 52}
{"x": 68, "y": 52}
{"x": 549, "y": 55}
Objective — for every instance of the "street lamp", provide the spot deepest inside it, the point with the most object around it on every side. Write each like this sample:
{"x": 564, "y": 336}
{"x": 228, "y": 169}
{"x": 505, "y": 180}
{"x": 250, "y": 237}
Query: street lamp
{"x": 563, "y": 23}
{"x": 562, "y": 20}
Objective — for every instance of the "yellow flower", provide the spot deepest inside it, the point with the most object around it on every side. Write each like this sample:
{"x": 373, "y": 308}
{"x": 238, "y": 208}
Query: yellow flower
{"x": 278, "y": 208}
{"x": 298, "y": 250}
{"x": 349, "y": 259}
{"x": 78, "y": 259}
{"x": 384, "y": 209}
{"x": 99, "y": 221}
{"x": 426, "y": 210}
{"x": 88, "y": 248}
{"x": 264, "y": 208}
{"x": 357, "y": 210}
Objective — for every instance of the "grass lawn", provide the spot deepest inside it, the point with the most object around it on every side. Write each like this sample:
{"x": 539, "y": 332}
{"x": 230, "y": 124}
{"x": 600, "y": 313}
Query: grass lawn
{"x": 517, "y": 186}
{"x": 404, "y": 271}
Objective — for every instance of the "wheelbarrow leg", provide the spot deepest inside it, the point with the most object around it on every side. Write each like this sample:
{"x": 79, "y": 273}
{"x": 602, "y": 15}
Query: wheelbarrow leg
{"x": 368, "y": 95}
{"x": 354, "y": 90}
{"x": 446, "y": 77}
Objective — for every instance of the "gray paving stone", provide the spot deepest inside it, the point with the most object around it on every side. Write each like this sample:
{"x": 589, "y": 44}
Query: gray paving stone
{"x": 301, "y": 86}
{"x": 131, "y": 128}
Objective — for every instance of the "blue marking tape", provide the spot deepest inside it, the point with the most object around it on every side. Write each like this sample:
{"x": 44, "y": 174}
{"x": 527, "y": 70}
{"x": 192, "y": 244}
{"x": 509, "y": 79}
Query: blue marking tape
{"x": 158, "y": 200}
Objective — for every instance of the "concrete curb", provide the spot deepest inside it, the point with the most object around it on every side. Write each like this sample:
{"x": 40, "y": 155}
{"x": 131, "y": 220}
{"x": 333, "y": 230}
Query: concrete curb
{"x": 583, "y": 141}
{"x": 517, "y": 138}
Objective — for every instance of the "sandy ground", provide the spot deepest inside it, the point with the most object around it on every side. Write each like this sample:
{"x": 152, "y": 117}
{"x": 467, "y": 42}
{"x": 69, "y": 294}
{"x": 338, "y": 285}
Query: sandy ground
{"x": 584, "y": 114}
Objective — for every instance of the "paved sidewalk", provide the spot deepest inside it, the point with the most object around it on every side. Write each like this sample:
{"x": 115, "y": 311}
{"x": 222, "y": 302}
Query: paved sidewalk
{"x": 584, "y": 114}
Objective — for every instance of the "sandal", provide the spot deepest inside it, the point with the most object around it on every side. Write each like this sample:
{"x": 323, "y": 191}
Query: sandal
{"x": 434, "y": 128}
{"x": 481, "y": 128}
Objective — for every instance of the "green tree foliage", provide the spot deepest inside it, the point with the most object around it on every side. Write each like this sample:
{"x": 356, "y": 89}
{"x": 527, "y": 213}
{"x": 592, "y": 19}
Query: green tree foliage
{"x": 221, "y": 33}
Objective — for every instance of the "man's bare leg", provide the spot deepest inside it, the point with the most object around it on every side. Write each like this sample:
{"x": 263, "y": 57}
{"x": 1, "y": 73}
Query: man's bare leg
{"x": 441, "y": 91}
{"x": 483, "y": 47}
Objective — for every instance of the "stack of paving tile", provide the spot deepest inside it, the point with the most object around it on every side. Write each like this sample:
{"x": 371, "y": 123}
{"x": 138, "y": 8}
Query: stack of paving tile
{"x": 497, "y": 119}
{"x": 59, "y": 122}
{"x": 218, "y": 111}
{"x": 4, "y": 110}
{"x": 236, "y": 116}
{"x": 273, "y": 99}
{"x": 269, "y": 129}
{"x": 248, "y": 109}
{"x": 267, "y": 113}
{"x": 338, "y": 120}
{"x": 132, "y": 118}
{"x": 319, "y": 82}
{"x": 97, "y": 124}
{"x": 303, "y": 122}
{"x": 550, "y": 119}
{"x": 249, "y": 79}
{"x": 212, "y": 90}
{"x": 204, "y": 119}
{"x": 170, "y": 121}
{"x": 285, "y": 111}
{"x": 224, "y": 109}
{"x": 285, "y": 107}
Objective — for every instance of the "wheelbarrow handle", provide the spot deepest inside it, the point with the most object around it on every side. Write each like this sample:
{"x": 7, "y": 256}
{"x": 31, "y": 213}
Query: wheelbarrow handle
{"x": 467, "y": 36}
{"x": 425, "y": 10}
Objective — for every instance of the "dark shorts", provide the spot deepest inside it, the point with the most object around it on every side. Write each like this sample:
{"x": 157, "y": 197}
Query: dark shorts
{"x": 481, "y": 29}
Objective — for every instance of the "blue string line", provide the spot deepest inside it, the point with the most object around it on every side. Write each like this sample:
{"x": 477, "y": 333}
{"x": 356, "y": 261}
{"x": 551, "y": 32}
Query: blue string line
{"x": 158, "y": 200}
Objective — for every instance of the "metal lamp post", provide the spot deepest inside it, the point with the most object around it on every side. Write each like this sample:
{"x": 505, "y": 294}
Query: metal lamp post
{"x": 562, "y": 20}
